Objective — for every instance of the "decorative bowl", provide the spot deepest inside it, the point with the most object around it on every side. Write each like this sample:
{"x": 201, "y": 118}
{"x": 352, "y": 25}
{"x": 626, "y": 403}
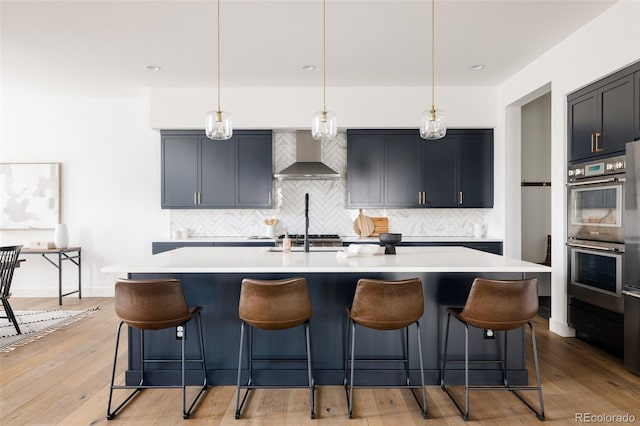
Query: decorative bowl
{"x": 390, "y": 240}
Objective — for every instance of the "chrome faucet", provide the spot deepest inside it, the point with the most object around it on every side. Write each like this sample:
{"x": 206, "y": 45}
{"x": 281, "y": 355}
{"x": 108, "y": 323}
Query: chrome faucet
{"x": 306, "y": 223}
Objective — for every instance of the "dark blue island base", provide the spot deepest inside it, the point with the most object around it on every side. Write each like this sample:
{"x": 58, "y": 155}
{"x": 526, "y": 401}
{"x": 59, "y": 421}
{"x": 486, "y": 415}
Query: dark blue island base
{"x": 218, "y": 294}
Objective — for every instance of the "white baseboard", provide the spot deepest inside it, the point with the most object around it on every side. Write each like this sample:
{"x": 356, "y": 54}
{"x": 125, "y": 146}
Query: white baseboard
{"x": 561, "y": 328}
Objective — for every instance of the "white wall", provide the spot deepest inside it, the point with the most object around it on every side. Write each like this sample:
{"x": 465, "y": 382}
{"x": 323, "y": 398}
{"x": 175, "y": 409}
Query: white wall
{"x": 608, "y": 43}
{"x": 110, "y": 182}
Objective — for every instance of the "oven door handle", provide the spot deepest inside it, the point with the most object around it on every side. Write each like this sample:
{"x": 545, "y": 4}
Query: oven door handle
{"x": 592, "y": 182}
{"x": 598, "y": 248}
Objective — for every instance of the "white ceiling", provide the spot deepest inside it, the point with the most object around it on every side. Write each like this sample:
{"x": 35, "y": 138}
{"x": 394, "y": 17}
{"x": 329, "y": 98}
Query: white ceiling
{"x": 101, "y": 47}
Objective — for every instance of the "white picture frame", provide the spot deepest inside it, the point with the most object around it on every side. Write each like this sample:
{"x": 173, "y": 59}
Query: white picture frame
{"x": 29, "y": 195}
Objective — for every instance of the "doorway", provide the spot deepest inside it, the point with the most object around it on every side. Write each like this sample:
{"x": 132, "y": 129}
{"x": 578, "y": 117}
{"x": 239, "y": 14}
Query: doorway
{"x": 536, "y": 190}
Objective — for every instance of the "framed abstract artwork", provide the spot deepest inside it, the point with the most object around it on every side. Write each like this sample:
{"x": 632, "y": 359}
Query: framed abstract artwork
{"x": 29, "y": 195}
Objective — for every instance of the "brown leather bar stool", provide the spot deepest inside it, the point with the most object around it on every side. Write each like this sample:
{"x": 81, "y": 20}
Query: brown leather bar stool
{"x": 273, "y": 305}
{"x": 386, "y": 305}
{"x": 499, "y": 306}
{"x": 155, "y": 305}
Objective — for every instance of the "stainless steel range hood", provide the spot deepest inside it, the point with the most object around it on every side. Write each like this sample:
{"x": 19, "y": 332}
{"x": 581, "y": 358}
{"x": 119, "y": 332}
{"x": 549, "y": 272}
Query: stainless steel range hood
{"x": 308, "y": 164}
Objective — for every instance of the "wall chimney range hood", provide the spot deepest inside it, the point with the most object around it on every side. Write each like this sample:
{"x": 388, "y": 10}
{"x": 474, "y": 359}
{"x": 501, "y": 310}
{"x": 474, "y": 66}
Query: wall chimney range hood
{"x": 308, "y": 164}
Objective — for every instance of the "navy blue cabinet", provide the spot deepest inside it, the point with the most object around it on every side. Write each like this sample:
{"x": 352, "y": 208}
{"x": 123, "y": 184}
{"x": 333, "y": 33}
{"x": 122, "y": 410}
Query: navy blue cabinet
{"x": 198, "y": 172}
{"x": 603, "y": 116}
{"x": 365, "y": 169}
{"x": 398, "y": 169}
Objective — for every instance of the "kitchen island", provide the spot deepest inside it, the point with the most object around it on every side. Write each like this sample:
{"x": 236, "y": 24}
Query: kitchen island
{"x": 211, "y": 278}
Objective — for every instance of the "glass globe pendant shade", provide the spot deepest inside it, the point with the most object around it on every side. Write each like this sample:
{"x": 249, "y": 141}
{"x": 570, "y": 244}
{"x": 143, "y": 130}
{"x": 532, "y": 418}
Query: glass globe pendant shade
{"x": 324, "y": 125}
{"x": 433, "y": 124}
{"x": 218, "y": 125}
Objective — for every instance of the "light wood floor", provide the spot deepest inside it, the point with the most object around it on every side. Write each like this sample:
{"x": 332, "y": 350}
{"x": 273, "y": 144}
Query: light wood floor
{"x": 63, "y": 379}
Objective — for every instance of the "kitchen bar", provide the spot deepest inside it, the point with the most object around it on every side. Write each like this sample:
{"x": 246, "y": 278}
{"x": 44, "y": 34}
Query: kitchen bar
{"x": 211, "y": 278}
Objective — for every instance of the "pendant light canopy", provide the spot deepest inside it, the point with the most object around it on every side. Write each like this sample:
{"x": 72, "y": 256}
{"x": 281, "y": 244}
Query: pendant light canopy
{"x": 218, "y": 123}
{"x": 324, "y": 125}
{"x": 433, "y": 124}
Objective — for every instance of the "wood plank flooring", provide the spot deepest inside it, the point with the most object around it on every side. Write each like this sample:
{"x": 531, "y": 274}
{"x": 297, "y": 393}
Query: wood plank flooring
{"x": 63, "y": 379}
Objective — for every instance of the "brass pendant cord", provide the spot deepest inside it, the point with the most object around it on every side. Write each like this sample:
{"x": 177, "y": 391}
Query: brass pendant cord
{"x": 433, "y": 57}
{"x": 324, "y": 60}
{"x": 219, "y": 57}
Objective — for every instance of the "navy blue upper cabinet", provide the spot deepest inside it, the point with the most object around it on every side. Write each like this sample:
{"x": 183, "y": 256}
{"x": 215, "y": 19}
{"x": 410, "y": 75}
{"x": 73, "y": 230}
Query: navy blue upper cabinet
{"x": 603, "y": 116}
{"x": 198, "y": 172}
{"x": 398, "y": 169}
{"x": 365, "y": 169}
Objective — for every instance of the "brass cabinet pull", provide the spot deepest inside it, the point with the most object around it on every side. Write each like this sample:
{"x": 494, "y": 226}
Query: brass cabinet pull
{"x": 460, "y": 197}
{"x": 592, "y": 136}
{"x": 598, "y": 149}
{"x": 269, "y": 198}
{"x": 195, "y": 198}
{"x": 419, "y": 197}
{"x": 199, "y": 198}
{"x": 349, "y": 197}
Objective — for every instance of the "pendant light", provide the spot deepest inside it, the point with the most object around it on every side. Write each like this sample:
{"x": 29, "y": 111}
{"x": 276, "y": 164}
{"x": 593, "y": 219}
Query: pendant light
{"x": 218, "y": 122}
{"x": 433, "y": 124}
{"x": 324, "y": 125}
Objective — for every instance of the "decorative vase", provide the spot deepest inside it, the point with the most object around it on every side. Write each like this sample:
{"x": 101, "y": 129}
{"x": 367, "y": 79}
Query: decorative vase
{"x": 61, "y": 236}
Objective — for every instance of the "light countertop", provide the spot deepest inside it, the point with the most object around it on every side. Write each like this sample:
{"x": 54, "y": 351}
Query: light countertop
{"x": 266, "y": 260}
{"x": 345, "y": 239}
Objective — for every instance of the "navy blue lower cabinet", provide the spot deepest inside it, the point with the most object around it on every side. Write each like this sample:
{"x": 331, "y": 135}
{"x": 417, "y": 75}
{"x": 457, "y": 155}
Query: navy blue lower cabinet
{"x": 219, "y": 293}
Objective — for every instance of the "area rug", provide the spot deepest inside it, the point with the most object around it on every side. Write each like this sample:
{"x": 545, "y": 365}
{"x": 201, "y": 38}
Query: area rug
{"x": 36, "y": 324}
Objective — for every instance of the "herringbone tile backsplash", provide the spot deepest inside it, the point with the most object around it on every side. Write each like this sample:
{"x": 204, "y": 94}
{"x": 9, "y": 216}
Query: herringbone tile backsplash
{"x": 327, "y": 200}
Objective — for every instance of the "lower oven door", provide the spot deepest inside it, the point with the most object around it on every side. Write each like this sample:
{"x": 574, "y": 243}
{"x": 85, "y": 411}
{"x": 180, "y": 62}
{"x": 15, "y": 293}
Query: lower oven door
{"x": 595, "y": 274}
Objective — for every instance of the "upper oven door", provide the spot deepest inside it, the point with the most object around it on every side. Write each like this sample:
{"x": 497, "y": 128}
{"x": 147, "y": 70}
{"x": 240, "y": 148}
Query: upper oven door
{"x": 596, "y": 209}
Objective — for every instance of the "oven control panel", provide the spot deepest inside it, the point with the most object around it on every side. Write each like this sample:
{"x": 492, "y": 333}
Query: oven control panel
{"x": 607, "y": 166}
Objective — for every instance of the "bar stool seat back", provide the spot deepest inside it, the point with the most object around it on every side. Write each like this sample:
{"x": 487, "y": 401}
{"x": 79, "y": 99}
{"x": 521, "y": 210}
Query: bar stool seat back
{"x": 392, "y": 306}
{"x": 500, "y": 305}
{"x": 276, "y": 304}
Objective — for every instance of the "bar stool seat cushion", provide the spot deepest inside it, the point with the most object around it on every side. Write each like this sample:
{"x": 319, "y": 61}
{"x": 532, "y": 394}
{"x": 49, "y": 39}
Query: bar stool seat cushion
{"x": 152, "y": 305}
{"x": 262, "y": 301}
{"x": 387, "y": 307}
{"x": 499, "y": 305}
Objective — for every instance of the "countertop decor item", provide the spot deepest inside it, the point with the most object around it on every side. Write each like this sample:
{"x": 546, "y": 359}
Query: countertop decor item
{"x": 61, "y": 236}
{"x": 390, "y": 240}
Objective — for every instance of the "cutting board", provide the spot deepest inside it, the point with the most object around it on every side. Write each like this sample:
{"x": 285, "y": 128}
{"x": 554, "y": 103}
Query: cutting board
{"x": 363, "y": 225}
{"x": 376, "y": 226}
{"x": 380, "y": 226}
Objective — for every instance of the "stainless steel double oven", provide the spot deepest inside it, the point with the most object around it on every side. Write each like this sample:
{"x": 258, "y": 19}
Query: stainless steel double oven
{"x": 595, "y": 232}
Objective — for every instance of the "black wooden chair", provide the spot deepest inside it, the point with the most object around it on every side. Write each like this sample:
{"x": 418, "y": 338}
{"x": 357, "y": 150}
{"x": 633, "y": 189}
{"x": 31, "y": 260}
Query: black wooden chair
{"x": 8, "y": 261}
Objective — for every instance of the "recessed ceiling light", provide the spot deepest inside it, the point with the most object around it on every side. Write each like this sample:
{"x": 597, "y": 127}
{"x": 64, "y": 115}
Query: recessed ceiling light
{"x": 476, "y": 67}
{"x": 308, "y": 67}
{"x": 152, "y": 67}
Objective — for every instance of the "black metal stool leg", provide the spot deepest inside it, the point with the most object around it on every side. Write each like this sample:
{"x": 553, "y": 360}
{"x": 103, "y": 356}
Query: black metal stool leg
{"x": 238, "y": 406}
{"x": 353, "y": 350}
{"x": 309, "y": 371}
{"x": 424, "y": 390}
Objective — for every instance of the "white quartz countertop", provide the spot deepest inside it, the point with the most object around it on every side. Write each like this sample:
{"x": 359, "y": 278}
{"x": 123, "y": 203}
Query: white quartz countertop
{"x": 345, "y": 239}
{"x": 266, "y": 260}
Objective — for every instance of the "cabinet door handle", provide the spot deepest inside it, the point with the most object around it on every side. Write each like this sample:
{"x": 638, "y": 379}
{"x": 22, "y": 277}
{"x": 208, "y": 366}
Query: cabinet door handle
{"x": 419, "y": 197}
{"x": 269, "y": 198}
{"x": 199, "y": 198}
{"x": 424, "y": 197}
{"x": 598, "y": 149}
{"x": 460, "y": 197}
{"x": 195, "y": 198}
{"x": 592, "y": 136}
